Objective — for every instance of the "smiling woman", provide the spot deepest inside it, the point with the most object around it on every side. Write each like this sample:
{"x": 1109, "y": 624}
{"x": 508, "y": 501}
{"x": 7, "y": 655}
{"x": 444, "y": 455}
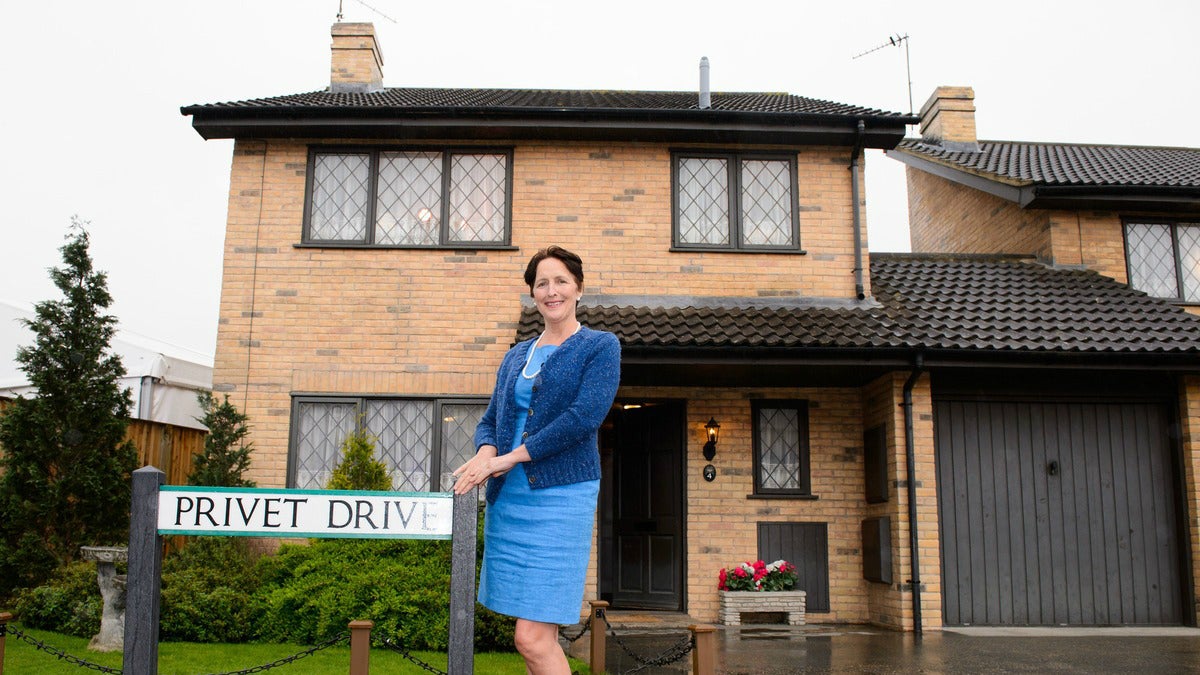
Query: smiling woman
{"x": 537, "y": 451}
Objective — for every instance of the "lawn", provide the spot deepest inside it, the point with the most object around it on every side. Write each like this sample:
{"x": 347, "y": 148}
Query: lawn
{"x": 189, "y": 658}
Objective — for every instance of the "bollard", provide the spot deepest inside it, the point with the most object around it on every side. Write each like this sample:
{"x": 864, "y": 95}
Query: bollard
{"x": 4, "y": 619}
{"x": 704, "y": 656}
{"x": 360, "y": 647}
{"x": 599, "y": 626}
{"x": 145, "y": 573}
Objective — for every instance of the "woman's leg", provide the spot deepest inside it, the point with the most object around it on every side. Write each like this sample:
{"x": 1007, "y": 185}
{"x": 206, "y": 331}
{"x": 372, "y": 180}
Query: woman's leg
{"x": 538, "y": 644}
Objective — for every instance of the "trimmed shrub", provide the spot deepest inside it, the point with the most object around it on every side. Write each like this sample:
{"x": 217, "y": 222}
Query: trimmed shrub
{"x": 208, "y": 592}
{"x": 69, "y": 602}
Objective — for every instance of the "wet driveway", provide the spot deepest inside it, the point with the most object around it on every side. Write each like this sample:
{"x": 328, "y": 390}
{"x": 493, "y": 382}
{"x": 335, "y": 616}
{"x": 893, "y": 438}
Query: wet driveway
{"x": 863, "y": 649}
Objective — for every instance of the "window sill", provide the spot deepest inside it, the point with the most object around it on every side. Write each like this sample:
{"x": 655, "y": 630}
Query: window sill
{"x": 810, "y": 498}
{"x": 356, "y": 246}
{"x": 769, "y": 251}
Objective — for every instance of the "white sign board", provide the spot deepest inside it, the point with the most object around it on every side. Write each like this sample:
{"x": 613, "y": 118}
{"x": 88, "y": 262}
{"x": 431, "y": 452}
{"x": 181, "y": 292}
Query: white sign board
{"x": 251, "y": 512}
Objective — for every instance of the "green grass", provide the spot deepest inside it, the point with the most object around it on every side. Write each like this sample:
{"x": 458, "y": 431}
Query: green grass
{"x": 189, "y": 658}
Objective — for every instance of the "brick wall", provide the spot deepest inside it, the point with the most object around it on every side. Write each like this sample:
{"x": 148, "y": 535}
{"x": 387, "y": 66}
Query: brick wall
{"x": 435, "y": 322}
{"x": 1189, "y": 441}
{"x": 945, "y": 217}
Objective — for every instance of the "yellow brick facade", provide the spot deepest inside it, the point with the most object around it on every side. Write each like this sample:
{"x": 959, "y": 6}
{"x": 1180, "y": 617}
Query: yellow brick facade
{"x": 308, "y": 320}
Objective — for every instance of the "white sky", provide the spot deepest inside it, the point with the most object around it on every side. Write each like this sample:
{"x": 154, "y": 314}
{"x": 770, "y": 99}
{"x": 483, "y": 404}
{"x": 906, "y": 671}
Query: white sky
{"x": 92, "y": 90}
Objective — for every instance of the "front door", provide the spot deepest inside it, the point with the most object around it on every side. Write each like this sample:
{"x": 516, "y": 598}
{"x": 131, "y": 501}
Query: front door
{"x": 646, "y": 508}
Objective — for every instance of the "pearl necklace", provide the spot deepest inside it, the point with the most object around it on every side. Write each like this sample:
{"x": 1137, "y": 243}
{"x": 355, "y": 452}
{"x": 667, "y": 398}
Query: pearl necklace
{"x": 529, "y": 358}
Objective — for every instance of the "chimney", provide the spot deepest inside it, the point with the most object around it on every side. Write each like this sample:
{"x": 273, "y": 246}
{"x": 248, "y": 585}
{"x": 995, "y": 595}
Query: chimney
{"x": 948, "y": 117}
{"x": 357, "y": 63}
{"x": 705, "y": 94}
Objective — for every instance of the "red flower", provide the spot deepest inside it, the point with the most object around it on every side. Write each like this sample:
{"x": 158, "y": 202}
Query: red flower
{"x": 739, "y": 572}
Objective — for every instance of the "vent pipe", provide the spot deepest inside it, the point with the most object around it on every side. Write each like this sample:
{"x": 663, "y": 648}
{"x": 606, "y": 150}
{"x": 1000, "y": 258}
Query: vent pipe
{"x": 705, "y": 96}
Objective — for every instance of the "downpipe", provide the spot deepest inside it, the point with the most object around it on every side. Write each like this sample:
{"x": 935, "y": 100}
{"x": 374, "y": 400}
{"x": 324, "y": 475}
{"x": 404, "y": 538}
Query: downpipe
{"x": 911, "y": 468}
{"x": 855, "y": 189}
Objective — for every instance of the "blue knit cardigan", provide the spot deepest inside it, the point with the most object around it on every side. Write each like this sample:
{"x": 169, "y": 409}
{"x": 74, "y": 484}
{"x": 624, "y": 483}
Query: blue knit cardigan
{"x": 571, "y": 397}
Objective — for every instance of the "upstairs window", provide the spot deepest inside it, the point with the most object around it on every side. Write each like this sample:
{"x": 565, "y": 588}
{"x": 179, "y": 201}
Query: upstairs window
{"x": 1163, "y": 259}
{"x": 735, "y": 201}
{"x": 781, "y": 465}
{"x": 419, "y": 440}
{"x": 408, "y": 198}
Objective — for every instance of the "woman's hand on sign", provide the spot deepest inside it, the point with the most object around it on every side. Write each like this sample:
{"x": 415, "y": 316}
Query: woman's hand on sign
{"x": 475, "y": 471}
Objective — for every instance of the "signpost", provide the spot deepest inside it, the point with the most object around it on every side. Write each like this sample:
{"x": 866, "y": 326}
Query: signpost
{"x": 248, "y": 512}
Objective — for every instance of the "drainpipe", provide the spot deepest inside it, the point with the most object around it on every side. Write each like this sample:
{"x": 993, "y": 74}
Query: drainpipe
{"x": 859, "y": 291}
{"x": 910, "y": 465}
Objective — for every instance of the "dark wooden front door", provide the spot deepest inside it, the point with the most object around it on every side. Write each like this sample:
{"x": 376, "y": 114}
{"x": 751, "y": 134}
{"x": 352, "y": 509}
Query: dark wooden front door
{"x": 647, "y": 508}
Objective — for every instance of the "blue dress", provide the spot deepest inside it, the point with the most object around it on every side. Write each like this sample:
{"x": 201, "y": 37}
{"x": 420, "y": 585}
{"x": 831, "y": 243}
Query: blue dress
{"x": 537, "y": 542}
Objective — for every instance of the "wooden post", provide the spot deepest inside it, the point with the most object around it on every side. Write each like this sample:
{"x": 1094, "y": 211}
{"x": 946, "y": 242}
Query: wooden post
{"x": 145, "y": 570}
{"x": 462, "y": 584}
{"x": 599, "y": 633}
{"x": 4, "y": 619}
{"x": 360, "y": 647}
{"x": 704, "y": 655}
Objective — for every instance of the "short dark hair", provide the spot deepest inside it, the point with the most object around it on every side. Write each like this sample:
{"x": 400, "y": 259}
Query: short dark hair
{"x": 573, "y": 262}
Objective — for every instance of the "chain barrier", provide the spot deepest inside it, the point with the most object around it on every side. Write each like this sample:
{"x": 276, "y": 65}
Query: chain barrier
{"x": 63, "y": 656}
{"x": 409, "y": 657}
{"x": 60, "y": 654}
{"x": 673, "y": 654}
{"x": 571, "y": 640}
{"x": 344, "y": 637}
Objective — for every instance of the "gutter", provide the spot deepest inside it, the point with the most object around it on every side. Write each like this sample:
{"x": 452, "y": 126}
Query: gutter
{"x": 910, "y": 467}
{"x": 859, "y": 288}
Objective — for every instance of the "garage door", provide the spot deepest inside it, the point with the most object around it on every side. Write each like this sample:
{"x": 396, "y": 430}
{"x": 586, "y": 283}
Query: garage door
{"x": 1057, "y": 513}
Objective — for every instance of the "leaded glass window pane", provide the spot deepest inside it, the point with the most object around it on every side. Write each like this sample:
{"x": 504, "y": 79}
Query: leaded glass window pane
{"x": 477, "y": 197}
{"x": 1189, "y": 259}
{"x": 766, "y": 203}
{"x": 458, "y": 437}
{"x": 1152, "y": 259}
{"x": 340, "y": 191}
{"x": 404, "y": 433}
{"x": 408, "y": 209}
{"x": 703, "y": 201}
{"x": 320, "y": 430}
{"x": 779, "y": 449}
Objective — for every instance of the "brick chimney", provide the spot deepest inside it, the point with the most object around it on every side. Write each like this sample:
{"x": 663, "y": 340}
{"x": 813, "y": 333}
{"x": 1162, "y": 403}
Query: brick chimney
{"x": 357, "y": 63}
{"x": 949, "y": 118}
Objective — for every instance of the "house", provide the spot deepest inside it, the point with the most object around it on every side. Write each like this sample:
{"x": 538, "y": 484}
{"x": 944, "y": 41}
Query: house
{"x": 1131, "y": 214}
{"x": 374, "y": 246}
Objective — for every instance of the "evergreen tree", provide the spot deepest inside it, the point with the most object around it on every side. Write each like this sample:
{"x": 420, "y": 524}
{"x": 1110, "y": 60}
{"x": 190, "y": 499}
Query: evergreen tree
{"x": 359, "y": 470}
{"x": 66, "y": 464}
{"x": 226, "y": 455}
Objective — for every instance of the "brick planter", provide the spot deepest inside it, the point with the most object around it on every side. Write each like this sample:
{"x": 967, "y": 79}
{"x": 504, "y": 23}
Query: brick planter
{"x": 733, "y": 603}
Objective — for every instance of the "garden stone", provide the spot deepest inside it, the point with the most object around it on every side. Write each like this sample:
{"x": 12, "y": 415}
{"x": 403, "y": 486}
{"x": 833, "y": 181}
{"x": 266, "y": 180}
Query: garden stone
{"x": 111, "y": 637}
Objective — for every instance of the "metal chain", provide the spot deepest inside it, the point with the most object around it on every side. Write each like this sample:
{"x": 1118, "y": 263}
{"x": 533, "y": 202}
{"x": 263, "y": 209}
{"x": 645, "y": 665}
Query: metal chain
{"x": 586, "y": 625}
{"x": 63, "y": 656}
{"x": 290, "y": 659}
{"x": 671, "y": 655}
{"x": 418, "y": 662}
{"x": 60, "y": 654}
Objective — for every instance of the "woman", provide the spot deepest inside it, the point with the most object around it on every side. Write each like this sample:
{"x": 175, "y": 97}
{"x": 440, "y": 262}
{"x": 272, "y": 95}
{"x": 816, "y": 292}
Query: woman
{"x": 537, "y": 444}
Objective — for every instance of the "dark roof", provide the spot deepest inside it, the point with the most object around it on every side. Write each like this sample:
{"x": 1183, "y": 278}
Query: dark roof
{"x": 403, "y": 98}
{"x": 1069, "y": 164}
{"x": 1066, "y": 175}
{"x": 966, "y": 304}
{"x": 663, "y": 115}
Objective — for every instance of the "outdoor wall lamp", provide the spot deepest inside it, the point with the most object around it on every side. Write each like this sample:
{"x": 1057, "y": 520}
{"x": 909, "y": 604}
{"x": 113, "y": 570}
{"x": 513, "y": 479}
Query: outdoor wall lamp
{"x": 714, "y": 433}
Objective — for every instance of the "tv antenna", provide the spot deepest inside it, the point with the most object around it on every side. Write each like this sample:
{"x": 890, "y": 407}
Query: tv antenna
{"x": 896, "y": 41}
{"x": 373, "y": 9}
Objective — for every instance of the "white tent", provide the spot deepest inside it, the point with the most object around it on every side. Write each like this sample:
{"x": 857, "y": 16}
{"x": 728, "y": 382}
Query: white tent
{"x": 163, "y": 379}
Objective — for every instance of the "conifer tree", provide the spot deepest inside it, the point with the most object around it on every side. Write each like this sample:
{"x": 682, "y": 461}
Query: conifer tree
{"x": 359, "y": 470}
{"x": 66, "y": 464}
{"x": 226, "y": 455}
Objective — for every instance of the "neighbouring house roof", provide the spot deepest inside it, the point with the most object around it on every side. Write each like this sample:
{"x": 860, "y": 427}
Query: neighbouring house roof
{"x": 960, "y": 307}
{"x": 665, "y": 116}
{"x": 1065, "y": 175}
